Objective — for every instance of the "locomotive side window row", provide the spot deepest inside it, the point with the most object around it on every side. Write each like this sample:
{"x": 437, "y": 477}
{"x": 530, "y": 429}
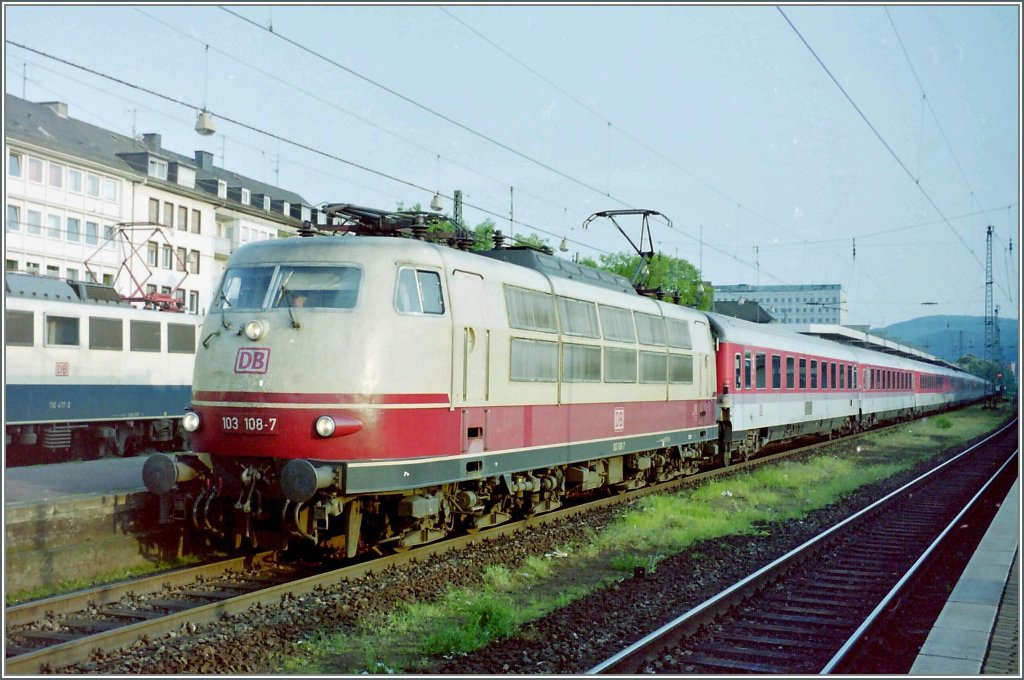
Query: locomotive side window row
{"x": 104, "y": 333}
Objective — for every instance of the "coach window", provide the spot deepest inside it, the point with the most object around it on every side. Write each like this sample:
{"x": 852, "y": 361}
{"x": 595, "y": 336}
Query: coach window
{"x": 851, "y": 377}
{"x": 106, "y": 333}
{"x": 650, "y": 329}
{"x": 145, "y": 336}
{"x": 678, "y": 334}
{"x": 619, "y": 365}
{"x": 581, "y": 363}
{"x": 181, "y": 338}
{"x": 19, "y": 330}
{"x": 776, "y": 371}
{"x": 760, "y": 370}
{"x": 790, "y": 372}
{"x": 814, "y": 374}
{"x": 803, "y": 374}
{"x": 680, "y": 368}
{"x": 579, "y": 318}
{"x": 530, "y": 310}
{"x": 739, "y": 371}
{"x": 833, "y": 368}
{"x": 824, "y": 375}
{"x": 747, "y": 368}
{"x": 617, "y": 324}
{"x": 842, "y": 382}
{"x": 61, "y": 330}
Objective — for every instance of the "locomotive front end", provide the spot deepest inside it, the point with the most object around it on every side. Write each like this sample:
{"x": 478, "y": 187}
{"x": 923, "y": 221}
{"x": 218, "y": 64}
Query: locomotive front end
{"x": 295, "y": 363}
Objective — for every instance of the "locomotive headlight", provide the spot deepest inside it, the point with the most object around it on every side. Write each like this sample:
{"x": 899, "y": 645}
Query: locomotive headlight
{"x": 325, "y": 426}
{"x": 255, "y": 329}
{"x": 190, "y": 422}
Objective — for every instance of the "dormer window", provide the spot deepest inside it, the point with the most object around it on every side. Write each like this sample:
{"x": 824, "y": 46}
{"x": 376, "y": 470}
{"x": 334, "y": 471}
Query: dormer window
{"x": 286, "y": 208}
{"x": 157, "y": 168}
{"x": 222, "y": 189}
{"x": 245, "y": 197}
{"x": 306, "y": 214}
{"x": 266, "y": 203}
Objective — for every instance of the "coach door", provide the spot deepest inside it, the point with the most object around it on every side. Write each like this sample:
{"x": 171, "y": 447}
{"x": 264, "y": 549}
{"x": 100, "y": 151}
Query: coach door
{"x": 471, "y": 341}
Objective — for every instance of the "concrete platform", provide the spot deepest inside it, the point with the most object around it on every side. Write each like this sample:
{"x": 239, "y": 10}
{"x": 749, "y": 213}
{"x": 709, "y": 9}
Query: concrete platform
{"x": 75, "y": 521}
{"x": 959, "y": 642}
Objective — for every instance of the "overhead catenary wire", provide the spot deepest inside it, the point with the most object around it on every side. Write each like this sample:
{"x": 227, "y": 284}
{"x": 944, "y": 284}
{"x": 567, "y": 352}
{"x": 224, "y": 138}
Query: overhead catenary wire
{"x": 281, "y": 138}
{"x": 878, "y": 135}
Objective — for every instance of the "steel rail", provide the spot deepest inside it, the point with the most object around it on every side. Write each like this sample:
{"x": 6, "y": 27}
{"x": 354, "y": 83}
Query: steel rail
{"x": 626, "y": 661}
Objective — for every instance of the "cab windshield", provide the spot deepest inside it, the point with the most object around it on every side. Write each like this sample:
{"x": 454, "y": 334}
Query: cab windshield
{"x": 332, "y": 287}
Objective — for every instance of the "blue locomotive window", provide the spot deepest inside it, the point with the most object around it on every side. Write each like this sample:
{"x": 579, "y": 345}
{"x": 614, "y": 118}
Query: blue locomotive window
{"x": 181, "y": 338}
{"x": 244, "y": 288}
{"x": 61, "y": 330}
{"x": 317, "y": 287}
{"x": 106, "y": 333}
{"x": 145, "y": 336}
{"x": 19, "y": 328}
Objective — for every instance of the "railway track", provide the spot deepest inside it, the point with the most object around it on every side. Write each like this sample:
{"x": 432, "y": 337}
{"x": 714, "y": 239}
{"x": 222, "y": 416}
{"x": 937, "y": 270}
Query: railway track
{"x": 63, "y": 630}
{"x": 812, "y": 609}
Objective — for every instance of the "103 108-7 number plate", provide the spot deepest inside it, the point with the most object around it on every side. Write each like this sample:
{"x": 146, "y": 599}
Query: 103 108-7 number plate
{"x": 264, "y": 424}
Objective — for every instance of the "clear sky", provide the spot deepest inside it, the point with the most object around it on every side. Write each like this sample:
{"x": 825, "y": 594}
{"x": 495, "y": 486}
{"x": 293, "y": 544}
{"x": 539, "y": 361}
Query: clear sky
{"x": 720, "y": 117}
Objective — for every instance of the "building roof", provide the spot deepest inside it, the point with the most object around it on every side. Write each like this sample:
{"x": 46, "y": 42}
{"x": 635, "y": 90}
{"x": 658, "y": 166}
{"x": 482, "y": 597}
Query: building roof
{"x": 748, "y": 288}
{"x": 748, "y": 311}
{"x": 40, "y": 124}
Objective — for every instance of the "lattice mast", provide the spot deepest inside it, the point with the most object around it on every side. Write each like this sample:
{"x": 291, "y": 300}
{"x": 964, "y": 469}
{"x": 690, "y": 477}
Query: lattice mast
{"x": 990, "y": 325}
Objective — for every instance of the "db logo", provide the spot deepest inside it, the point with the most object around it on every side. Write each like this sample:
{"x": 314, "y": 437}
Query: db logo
{"x": 619, "y": 419}
{"x": 252, "y": 360}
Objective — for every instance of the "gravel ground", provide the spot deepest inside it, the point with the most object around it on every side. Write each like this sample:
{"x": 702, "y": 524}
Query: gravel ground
{"x": 570, "y": 640}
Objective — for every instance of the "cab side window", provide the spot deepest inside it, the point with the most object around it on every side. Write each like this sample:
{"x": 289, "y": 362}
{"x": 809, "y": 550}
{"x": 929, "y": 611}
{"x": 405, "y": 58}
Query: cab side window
{"x": 418, "y": 292}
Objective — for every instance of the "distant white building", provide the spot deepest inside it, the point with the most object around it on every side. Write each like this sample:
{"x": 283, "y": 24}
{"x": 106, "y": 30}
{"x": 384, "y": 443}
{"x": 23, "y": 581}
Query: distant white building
{"x": 84, "y": 202}
{"x": 813, "y": 303}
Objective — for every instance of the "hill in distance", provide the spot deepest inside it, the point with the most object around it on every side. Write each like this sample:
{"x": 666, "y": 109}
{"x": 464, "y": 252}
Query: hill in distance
{"x": 950, "y": 337}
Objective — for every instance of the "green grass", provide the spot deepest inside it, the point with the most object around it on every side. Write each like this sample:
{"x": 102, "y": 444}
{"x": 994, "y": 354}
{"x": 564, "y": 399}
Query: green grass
{"x": 72, "y": 585}
{"x": 657, "y": 526}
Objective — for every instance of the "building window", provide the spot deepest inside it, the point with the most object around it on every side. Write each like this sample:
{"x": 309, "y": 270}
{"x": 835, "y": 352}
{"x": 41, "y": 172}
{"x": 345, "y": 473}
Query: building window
{"x": 32, "y": 268}
{"x": 92, "y": 233}
{"x": 182, "y": 218}
{"x": 109, "y": 189}
{"x": 14, "y": 164}
{"x": 193, "y": 261}
{"x": 193, "y": 301}
{"x": 222, "y": 189}
{"x": 154, "y": 211}
{"x": 157, "y": 168}
{"x": 56, "y": 175}
{"x": 72, "y": 274}
{"x": 12, "y": 265}
{"x": 13, "y": 218}
{"x": 182, "y": 259}
{"x": 35, "y": 170}
{"x": 75, "y": 180}
{"x": 74, "y": 229}
{"x": 169, "y": 215}
{"x": 168, "y": 257}
{"x": 151, "y": 251}
{"x": 196, "y": 221}
{"x": 150, "y": 289}
{"x": 92, "y": 185}
{"x": 266, "y": 203}
{"x": 34, "y": 222}
{"x": 245, "y": 197}
{"x": 53, "y": 226}
{"x": 53, "y": 270}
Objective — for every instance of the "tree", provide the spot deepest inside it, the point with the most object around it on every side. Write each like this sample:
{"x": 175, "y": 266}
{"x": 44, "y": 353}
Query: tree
{"x": 670, "y": 274}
